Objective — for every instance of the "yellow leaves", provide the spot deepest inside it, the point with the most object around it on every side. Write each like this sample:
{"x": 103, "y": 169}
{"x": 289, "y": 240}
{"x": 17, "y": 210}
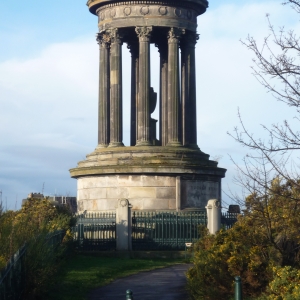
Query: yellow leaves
{"x": 2, "y": 262}
{"x": 285, "y": 284}
{"x": 35, "y": 217}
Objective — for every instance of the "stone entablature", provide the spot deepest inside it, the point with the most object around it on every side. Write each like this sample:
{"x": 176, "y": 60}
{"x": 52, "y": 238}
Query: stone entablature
{"x": 123, "y": 16}
{"x": 199, "y": 6}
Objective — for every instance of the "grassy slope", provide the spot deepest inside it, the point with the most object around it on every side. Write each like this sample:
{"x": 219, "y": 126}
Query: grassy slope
{"x": 82, "y": 273}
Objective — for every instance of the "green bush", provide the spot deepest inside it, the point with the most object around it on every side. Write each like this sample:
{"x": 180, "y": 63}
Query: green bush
{"x": 33, "y": 225}
{"x": 219, "y": 258}
{"x": 285, "y": 284}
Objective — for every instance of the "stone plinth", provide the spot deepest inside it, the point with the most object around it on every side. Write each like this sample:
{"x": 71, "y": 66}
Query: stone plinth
{"x": 151, "y": 178}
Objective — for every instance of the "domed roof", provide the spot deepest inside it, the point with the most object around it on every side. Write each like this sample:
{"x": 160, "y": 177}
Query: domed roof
{"x": 199, "y": 5}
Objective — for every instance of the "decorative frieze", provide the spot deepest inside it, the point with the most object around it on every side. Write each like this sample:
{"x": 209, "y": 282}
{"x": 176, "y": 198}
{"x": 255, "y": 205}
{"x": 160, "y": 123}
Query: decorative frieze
{"x": 143, "y": 10}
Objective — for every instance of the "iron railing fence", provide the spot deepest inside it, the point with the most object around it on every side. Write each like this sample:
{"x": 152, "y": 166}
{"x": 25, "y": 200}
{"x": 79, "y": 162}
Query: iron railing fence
{"x": 165, "y": 230}
{"x": 95, "y": 231}
{"x": 151, "y": 230}
{"x": 228, "y": 219}
{"x": 13, "y": 276}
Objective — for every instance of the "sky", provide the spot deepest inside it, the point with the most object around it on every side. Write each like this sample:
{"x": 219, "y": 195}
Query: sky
{"x": 49, "y": 81}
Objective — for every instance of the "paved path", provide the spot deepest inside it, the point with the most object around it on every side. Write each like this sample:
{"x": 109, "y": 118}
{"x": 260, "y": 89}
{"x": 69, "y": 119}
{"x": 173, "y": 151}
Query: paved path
{"x": 161, "y": 284}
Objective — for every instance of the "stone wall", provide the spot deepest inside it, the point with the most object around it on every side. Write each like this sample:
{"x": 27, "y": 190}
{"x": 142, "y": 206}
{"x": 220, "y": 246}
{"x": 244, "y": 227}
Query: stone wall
{"x": 101, "y": 193}
{"x": 145, "y": 192}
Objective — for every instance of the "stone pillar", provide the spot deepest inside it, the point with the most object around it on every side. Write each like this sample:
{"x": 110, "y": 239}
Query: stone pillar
{"x": 134, "y": 50}
{"x": 143, "y": 107}
{"x": 188, "y": 90}
{"x": 104, "y": 90}
{"x": 213, "y": 209}
{"x": 173, "y": 87}
{"x": 163, "y": 94}
{"x": 116, "y": 126}
{"x": 123, "y": 225}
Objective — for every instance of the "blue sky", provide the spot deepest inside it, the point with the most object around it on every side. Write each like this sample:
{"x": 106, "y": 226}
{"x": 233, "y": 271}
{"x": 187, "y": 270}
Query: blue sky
{"x": 48, "y": 88}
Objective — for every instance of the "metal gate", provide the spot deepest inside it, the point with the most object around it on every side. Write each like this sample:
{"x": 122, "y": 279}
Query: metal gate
{"x": 95, "y": 231}
{"x": 165, "y": 230}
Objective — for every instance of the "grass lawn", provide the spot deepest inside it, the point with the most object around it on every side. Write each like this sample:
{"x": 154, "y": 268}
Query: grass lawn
{"x": 82, "y": 273}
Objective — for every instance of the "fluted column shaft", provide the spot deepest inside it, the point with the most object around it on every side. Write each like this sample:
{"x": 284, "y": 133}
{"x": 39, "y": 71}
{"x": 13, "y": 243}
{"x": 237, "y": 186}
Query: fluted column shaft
{"x": 134, "y": 50}
{"x": 143, "y": 107}
{"x": 189, "y": 108}
{"x": 173, "y": 87}
{"x": 104, "y": 91}
{"x": 116, "y": 126}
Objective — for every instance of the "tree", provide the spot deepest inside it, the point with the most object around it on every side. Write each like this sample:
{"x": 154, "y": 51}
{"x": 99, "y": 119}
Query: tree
{"x": 264, "y": 241}
{"x": 263, "y": 247}
{"x": 277, "y": 68}
{"x": 33, "y": 225}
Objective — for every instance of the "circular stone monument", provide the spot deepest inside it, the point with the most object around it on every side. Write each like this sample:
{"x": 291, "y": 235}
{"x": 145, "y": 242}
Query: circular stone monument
{"x": 158, "y": 171}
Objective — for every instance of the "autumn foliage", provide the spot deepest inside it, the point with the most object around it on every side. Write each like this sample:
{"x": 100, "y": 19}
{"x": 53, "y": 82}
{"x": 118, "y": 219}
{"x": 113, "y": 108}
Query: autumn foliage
{"x": 262, "y": 247}
{"x": 33, "y": 225}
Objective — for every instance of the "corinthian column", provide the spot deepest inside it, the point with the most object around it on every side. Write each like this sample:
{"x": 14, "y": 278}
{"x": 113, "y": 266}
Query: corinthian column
{"x": 173, "y": 87}
{"x": 188, "y": 88}
{"x": 143, "y": 107}
{"x": 134, "y": 50}
{"x": 116, "y": 126}
{"x": 104, "y": 90}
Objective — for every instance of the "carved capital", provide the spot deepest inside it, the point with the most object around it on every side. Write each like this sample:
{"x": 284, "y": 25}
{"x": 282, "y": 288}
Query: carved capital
{"x": 175, "y": 34}
{"x": 144, "y": 33}
{"x": 191, "y": 38}
{"x": 115, "y": 35}
{"x": 103, "y": 39}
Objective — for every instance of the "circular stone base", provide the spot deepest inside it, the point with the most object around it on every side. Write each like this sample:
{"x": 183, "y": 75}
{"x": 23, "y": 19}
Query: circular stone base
{"x": 151, "y": 178}
{"x": 145, "y": 192}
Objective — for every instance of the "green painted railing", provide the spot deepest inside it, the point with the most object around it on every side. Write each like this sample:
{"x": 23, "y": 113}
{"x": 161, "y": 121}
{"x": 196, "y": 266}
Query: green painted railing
{"x": 95, "y": 231}
{"x": 165, "y": 230}
{"x": 13, "y": 276}
{"x": 151, "y": 230}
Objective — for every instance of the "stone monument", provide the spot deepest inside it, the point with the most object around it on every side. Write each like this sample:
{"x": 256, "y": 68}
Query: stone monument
{"x": 162, "y": 170}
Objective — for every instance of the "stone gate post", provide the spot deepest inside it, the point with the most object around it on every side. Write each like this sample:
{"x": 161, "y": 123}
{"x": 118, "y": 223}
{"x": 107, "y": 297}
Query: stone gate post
{"x": 213, "y": 209}
{"x": 123, "y": 225}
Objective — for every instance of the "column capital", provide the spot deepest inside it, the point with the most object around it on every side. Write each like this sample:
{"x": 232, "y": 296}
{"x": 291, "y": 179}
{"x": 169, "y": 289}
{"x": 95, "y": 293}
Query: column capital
{"x": 190, "y": 39}
{"x": 115, "y": 35}
{"x": 144, "y": 33}
{"x": 103, "y": 39}
{"x": 175, "y": 34}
